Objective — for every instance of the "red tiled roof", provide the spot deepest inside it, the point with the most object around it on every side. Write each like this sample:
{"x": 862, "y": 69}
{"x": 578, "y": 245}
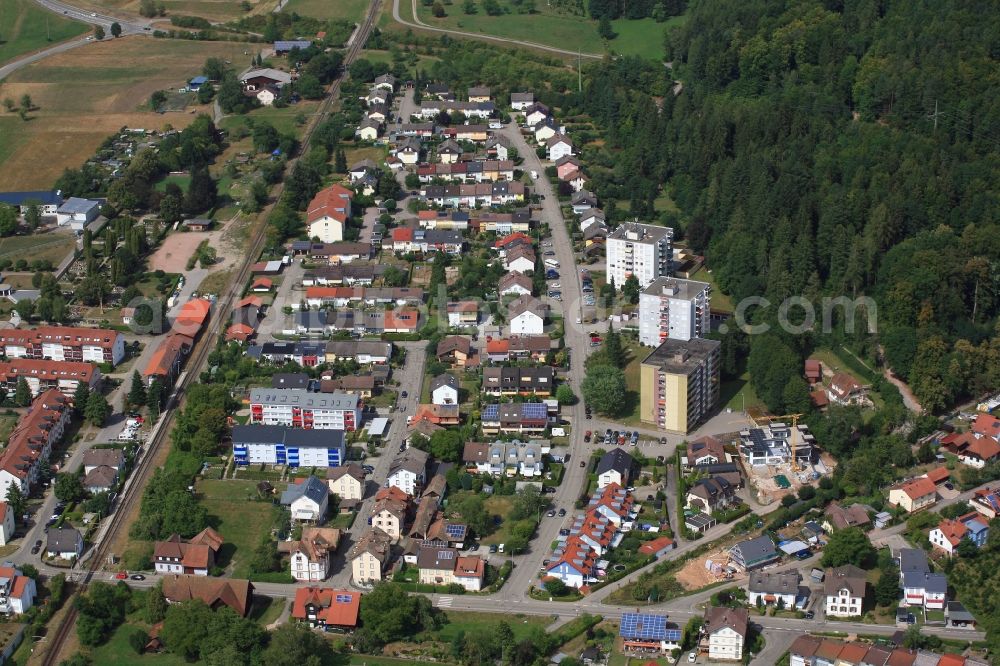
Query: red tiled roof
{"x": 66, "y": 335}
{"x": 251, "y": 301}
{"x": 497, "y": 346}
{"x": 918, "y": 487}
{"x": 262, "y": 282}
{"x": 986, "y": 424}
{"x": 951, "y": 660}
{"x": 163, "y": 359}
{"x": 953, "y": 530}
{"x": 192, "y": 316}
{"x": 333, "y": 607}
{"x": 239, "y": 332}
{"x": 405, "y": 318}
{"x": 938, "y": 474}
{"x": 334, "y": 202}
{"x": 32, "y": 433}
{"x": 45, "y": 370}
{"x": 655, "y": 545}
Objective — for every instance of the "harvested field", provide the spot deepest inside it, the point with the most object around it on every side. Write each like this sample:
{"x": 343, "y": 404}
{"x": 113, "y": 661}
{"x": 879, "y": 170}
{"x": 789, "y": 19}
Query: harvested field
{"x": 173, "y": 254}
{"x": 694, "y": 575}
{"x": 76, "y": 112}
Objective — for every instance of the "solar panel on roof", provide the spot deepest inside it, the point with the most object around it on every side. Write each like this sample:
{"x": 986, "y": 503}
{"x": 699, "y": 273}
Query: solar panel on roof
{"x": 648, "y": 627}
{"x": 343, "y": 598}
{"x": 454, "y": 530}
{"x": 445, "y": 554}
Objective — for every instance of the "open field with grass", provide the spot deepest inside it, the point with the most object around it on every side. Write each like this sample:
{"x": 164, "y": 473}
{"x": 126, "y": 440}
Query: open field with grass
{"x": 241, "y": 522}
{"x": 290, "y": 120}
{"x": 468, "y": 622}
{"x": 635, "y": 37}
{"x": 498, "y": 505}
{"x": 720, "y": 302}
{"x": 118, "y": 651}
{"x": 53, "y": 246}
{"x": 26, "y": 27}
{"x": 76, "y": 112}
{"x": 218, "y": 11}
{"x": 346, "y": 10}
{"x": 7, "y": 424}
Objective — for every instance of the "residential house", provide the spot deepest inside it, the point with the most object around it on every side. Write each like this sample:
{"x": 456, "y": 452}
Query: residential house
{"x": 385, "y": 82}
{"x": 504, "y": 458}
{"x": 535, "y": 113}
{"x": 7, "y": 527}
{"x": 311, "y": 555}
{"x": 448, "y": 151}
{"x": 520, "y": 260}
{"x": 444, "y": 389}
{"x": 455, "y": 350}
{"x": 987, "y": 502}
{"x": 479, "y": 94}
{"x": 574, "y": 563}
{"x": 921, "y": 586}
{"x": 780, "y": 588}
{"x": 515, "y": 283}
{"x": 950, "y": 532}
{"x": 307, "y": 499}
{"x": 463, "y": 313}
{"x": 646, "y": 633}
{"x": 390, "y": 512}
{"x": 753, "y": 553}
{"x": 519, "y": 101}
{"x": 498, "y": 147}
{"x": 614, "y": 503}
{"x": 514, "y": 417}
{"x": 838, "y": 517}
{"x": 64, "y": 542}
{"x": 254, "y": 80}
{"x": 213, "y": 592}
{"x": 408, "y": 471}
{"x": 558, "y": 146}
{"x": 370, "y": 557}
{"x": 93, "y": 458}
{"x": 657, "y": 547}
{"x": 436, "y": 564}
{"x": 509, "y": 381}
{"x": 328, "y": 212}
{"x": 705, "y": 451}
{"x": 616, "y": 467}
{"x": 64, "y": 343}
{"x": 776, "y": 444}
{"x": 31, "y": 441}
{"x": 195, "y": 556}
{"x": 724, "y": 632}
{"x": 845, "y": 588}
{"x": 470, "y": 572}
{"x": 846, "y": 390}
{"x": 711, "y": 494}
{"x": 566, "y": 165}
{"x": 17, "y": 591}
{"x": 408, "y": 150}
{"x": 101, "y": 479}
{"x": 327, "y": 608}
{"x": 368, "y": 129}
{"x": 535, "y": 347}
{"x": 281, "y": 445}
{"x": 914, "y": 495}
{"x": 347, "y": 482}
{"x": 303, "y": 409}
{"x": 582, "y": 201}
{"x": 972, "y": 448}
{"x": 544, "y": 130}
{"x": 526, "y": 316}
{"x": 441, "y": 415}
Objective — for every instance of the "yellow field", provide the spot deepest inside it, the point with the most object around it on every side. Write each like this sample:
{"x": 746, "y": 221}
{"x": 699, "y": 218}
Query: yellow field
{"x": 87, "y": 94}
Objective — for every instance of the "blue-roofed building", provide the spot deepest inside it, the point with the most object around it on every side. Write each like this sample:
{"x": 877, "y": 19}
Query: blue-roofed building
{"x": 295, "y": 447}
{"x": 515, "y": 417}
{"x": 197, "y": 82}
{"x": 49, "y": 201}
{"x": 648, "y": 633}
{"x": 282, "y": 47}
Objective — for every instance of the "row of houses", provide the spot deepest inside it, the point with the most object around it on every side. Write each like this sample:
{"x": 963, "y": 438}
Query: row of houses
{"x": 360, "y": 322}
{"x": 309, "y": 354}
{"x": 64, "y": 343}
{"x": 318, "y": 297}
{"x": 472, "y": 170}
{"x": 473, "y": 195}
{"x": 42, "y": 375}
{"x": 378, "y": 102}
{"x": 809, "y": 650}
{"x": 167, "y": 360}
{"x": 476, "y": 221}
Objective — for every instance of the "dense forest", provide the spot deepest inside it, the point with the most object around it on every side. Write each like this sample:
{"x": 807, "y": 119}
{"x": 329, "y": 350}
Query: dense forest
{"x": 825, "y": 149}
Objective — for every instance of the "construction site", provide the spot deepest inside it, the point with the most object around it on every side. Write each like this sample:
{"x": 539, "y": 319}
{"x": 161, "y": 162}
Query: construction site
{"x": 780, "y": 456}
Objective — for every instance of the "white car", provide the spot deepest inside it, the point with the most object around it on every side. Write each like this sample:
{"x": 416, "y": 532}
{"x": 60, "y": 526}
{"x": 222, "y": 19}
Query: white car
{"x": 555, "y": 285}
{"x": 692, "y": 657}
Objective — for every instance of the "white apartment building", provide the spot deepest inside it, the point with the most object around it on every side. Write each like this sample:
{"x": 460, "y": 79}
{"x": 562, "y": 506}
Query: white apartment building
{"x": 675, "y": 309}
{"x": 643, "y": 250}
{"x": 303, "y": 409}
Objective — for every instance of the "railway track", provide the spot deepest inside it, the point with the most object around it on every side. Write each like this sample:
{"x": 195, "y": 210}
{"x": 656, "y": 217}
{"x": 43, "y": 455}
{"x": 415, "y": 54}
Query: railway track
{"x": 221, "y": 313}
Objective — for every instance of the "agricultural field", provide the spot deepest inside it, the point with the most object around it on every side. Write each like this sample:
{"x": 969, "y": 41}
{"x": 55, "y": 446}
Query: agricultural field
{"x": 343, "y": 10}
{"x": 26, "y": 27}
{"x": 642, "y": 37}
{"x": 216, "y": 11}
{"x": 76, "y": 113}
{"x": 50, "y": 246}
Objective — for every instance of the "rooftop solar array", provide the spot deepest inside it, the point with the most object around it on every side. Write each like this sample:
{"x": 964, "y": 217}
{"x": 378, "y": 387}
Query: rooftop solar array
{"x": 454, "y": 530}
{"x": 647, "y": 627}
{"x": 445, "y": 554}
{"x": 344, "y": 598}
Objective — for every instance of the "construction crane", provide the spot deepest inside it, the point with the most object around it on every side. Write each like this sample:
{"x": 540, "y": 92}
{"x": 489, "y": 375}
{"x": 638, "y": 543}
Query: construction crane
{"x": 793, "y": 440}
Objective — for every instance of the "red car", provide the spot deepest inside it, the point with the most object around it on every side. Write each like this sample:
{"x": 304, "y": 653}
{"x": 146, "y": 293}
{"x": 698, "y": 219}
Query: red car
{"x": 586, "y": 436}
{"x": 121, "y": 575}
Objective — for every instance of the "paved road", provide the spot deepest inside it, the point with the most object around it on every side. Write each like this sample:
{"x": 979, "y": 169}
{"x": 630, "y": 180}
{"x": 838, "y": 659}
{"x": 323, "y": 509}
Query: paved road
{"x": 129, "y": 27}
{"x": 417, "y": 23}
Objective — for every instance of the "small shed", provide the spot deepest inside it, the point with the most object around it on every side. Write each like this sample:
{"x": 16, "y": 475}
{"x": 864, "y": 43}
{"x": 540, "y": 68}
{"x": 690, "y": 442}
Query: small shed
{"x": 198, "y": 224}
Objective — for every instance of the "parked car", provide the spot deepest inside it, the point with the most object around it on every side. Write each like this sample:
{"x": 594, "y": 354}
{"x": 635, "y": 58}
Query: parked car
{"x": 121, "y": 575}
{"x": 564, "y": 532}
{"x": 583, "y": 463}
{"x": 551, "y": 514}
{"x": 562, "y": 512}
{"x": 586, "y": 436}
{"x": 810, "y": 615}
{"x": 493, "y": 548}
{"x": 405, "y": 394}
{"x": 137, "y": 577}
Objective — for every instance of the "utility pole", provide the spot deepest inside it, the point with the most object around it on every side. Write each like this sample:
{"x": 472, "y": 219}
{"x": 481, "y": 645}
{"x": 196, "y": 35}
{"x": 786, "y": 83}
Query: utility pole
{"x": 579, "y": 73}
{"x": 935, "y": 115}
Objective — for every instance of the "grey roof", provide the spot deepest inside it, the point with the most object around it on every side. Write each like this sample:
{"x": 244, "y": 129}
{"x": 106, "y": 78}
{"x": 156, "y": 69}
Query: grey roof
{"x": 62, "y": 540}
{"x": 311, "y": 319}
{"x": 97, "y": 457}
{"x": 101, "y": 476}
{"x": 289, "y": 437}
{"x": 364, "y": 165}
{"x": 778, "y": 582}
{"x": 676, "y": 288}
{"x": 302, "y": 398}
{"x": 847, "y": 576}
{"x": 912, "y": 559}
{"x": 682, "y": 357}
{"x": 356, "y": 347}
{"x": 957, "y": 611}
{"x": 290, "y": 380}
{"x": 935, "y": 583}
{"x": 756, "y": 550}
{"x": 77, "y": 205}
{"x": 446, "y": 379}
{"x": 412, "y": 460}
{"x": 617, "y": 460}
{"x": 312, "y": 488}
{"x": 522, "y": 97}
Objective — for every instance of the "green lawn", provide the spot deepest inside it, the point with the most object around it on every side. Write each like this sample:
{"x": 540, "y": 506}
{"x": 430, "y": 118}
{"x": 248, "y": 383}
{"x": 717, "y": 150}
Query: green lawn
{"x": 636, "y": 354}
{"x": 461, "y": 621}
{"x": 7, "y": 424}
{"x": 738, "y": 394}
{"x": 498, "y": 505}
{"x": 10, "y": 135}
{"x": 642, "y": 37}
{"x": 182, "y": 180}
{"x": 51, "y": 246}
{"x": 239, "y": 518}
{"x": 26, "y": 27}
{"x": 118, "y": 651}
{"x": 284, "y": 120}
{"x": 347, "y": 10}
{"x": 720, "y": 302}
